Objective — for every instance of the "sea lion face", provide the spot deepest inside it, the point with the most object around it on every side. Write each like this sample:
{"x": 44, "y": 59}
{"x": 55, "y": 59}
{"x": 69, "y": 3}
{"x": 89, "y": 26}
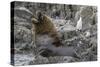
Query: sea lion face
{"x": 38, "y": 18}
{"x": 34, "y": 20}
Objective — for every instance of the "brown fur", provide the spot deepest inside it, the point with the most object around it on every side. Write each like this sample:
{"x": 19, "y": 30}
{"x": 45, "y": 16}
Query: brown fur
{"x": 45, "y": 26}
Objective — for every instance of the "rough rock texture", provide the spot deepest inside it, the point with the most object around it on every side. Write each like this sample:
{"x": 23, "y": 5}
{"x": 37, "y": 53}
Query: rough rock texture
{"x": 65, "y": 19}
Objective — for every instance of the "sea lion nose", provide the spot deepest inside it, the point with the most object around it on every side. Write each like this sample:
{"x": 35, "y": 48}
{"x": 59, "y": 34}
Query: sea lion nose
{"x": 34, "y": 20}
